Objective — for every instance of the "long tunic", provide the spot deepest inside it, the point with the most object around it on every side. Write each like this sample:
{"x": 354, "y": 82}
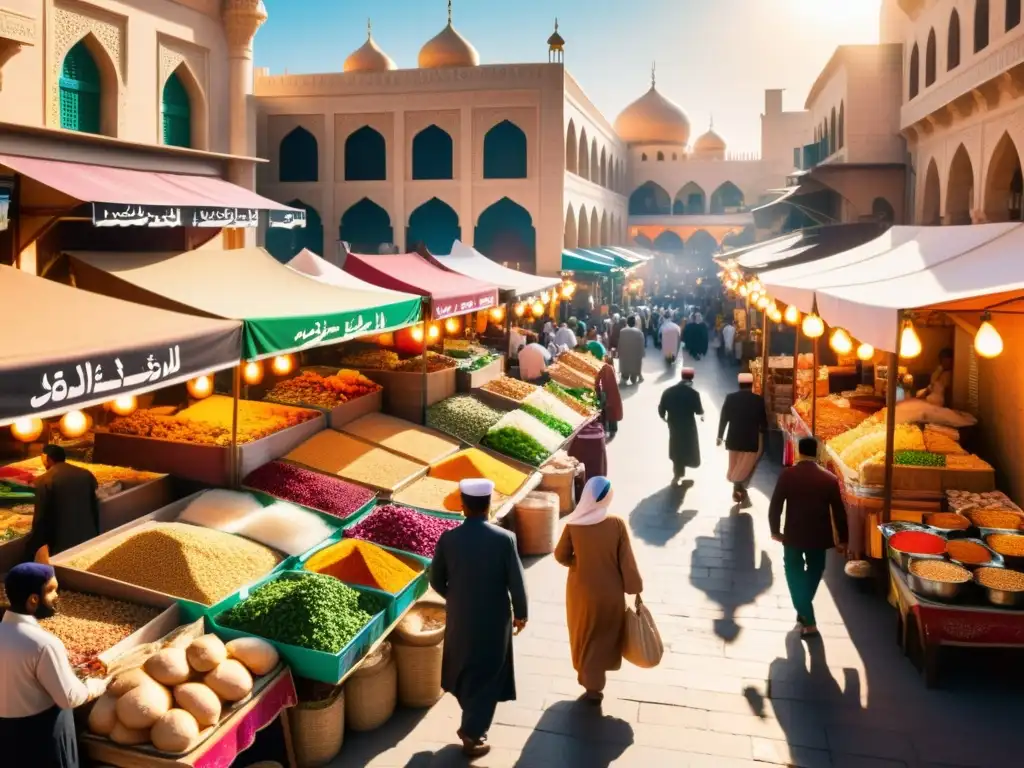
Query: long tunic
{"x": 631, "y": 352}
{"x": 608, "y": 391}
{"x": 602, "y": 571}
{"x": 477, "y": 570}
{"x": 680, "y": 405}
{"x": 67, "y": 511}
{"x": 695, "y": 337}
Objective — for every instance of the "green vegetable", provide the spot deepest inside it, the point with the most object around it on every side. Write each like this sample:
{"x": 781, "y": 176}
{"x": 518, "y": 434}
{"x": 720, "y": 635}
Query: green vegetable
{"x": 582, "y": 394}
{"x": 310, "y": 610}
{"x": 477, "y": 363}
{"x": 919, "y": 459}
{"x": 561, "y": 427}
{"x": 463, "y": 417}
{"x": 516, "y": 444}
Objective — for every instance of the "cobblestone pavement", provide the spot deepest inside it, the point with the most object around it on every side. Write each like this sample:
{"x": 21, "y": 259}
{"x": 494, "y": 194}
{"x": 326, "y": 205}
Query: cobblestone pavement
{"x": 737, "y": 687}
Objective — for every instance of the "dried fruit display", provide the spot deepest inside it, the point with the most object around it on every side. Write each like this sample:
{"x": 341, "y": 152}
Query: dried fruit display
{"x": 963, "y": 501}
{"x": 376, "y": 359}
{"x": 832, "y": 419}
{"x": 435, "y": 363}
{"x": 402, "y": 528}
{"x": 510, "y": 388}
{"x": 967, "y": 462}
{"x": 105, "y": 474}
{"x": 586, "y": 364}
{"x": 569, "y": 377}
{"x": 311, "y": 489}
{"x": 464, "y": 417}
{"x": 209, "y": 422}
{"x": 310, "y": 388}
{"x": 339, "y": 454}
{"x": 16, "y": 522}
{"x": 403, "y": 437}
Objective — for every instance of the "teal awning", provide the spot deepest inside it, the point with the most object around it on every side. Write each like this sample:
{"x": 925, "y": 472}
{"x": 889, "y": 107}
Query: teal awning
{"x": 621, "y": 257}
{"x": 583, "y": 260}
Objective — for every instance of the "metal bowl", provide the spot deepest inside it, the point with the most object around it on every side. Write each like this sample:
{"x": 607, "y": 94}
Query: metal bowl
{"x": 995, "y": 562}
{"x": 891, "y": 529}
{"x": 946, "y": 591}
{"x": 904, "y": 559}
{"x": 1002, "y": 598}
{"x": 1011, "y": 561}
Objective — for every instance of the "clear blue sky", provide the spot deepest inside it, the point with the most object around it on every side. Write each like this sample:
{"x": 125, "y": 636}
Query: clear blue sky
{"x": 713, "y": 56}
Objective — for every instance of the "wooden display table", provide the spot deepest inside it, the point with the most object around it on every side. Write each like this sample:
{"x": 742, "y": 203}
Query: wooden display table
{"x": 232, "y": 737}
{"x": 924, "y": 626}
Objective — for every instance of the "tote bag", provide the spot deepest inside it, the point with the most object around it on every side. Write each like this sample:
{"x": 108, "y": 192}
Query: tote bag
{"x": 641, "y": 642}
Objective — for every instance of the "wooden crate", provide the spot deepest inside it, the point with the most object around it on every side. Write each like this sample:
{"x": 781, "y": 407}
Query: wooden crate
{"x": 466, "y": 381}
{"x": 974, "y": 480}
{"x": 403, "y": 392}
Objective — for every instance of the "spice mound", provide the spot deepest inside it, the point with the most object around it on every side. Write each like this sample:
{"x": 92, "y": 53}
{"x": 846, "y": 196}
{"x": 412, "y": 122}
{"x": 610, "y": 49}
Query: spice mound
{"x": 1000, "y": 578}
{"x": 403, "y": 437}
{"x": 969, "y": 552}
{"x": 181, "y": 560}
{"x": 360, "y": 562}
{"x": 995, "y": 518}
{"x": 308, "y": 488}
{"x": 402, "y": 528}
{"x": 310, "y": 610}
{"x": 940, "y": 570}
{"x": 474, "y": 463}
{"x": 310, "y": 388}
{"x": 510, "y": 388}
{"x": 353, "y": 459}
{"x": 948, "y": 521}
{"x": 918, "y": 543}
{"x": 440, "y": 496}
{"x": 463, "y": 416}
{"x": 1006, "y": 544}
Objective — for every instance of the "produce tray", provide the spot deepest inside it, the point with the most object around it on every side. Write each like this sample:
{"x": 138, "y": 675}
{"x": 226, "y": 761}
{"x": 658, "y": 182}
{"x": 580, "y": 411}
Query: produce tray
{"x": 325, "y": 515}
{"x": 210, "y": 464}
{"x": 930, "y": 479}
{"x": 340, "y": 415}
{"x": 315, "y": 665}
{"x": 499, "y": 402}
{"x": 467, "y": 381}
{"x": 456, "y": 444}
{"x": 403, "y": 392}
{"x": 406, "y": 596}
{"x": 378, "y": 488}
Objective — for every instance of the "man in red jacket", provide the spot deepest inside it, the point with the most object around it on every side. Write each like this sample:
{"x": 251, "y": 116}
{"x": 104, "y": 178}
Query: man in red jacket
{"x": 815, "y": 522}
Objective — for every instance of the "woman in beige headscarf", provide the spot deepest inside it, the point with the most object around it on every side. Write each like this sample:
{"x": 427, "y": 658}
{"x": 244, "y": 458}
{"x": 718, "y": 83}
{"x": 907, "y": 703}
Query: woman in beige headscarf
{"x": 602, "y": 571}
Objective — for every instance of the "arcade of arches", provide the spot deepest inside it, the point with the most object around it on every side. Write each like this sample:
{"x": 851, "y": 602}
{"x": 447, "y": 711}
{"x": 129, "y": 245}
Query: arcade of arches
{"x": 651, "y": 199}
{"x": 588, "y": 229}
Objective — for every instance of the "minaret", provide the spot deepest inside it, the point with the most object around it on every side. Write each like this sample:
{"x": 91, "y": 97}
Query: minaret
{"x": 242, "y": 19}
{"x": 556, "y": 47}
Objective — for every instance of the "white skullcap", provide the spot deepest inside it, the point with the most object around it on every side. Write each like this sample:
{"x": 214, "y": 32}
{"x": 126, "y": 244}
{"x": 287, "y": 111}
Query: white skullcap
{"x": 478, "y": 487}
{"x": 745, "y": 378}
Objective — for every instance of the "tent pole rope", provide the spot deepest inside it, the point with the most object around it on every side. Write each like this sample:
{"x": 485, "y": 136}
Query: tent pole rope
{"x": 890, "y": 422}
{"x": 236, "y": 387}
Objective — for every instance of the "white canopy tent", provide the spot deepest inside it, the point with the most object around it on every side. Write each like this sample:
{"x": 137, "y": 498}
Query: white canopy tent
{"x": 307, "y": 263}
{"x": 470, "y": 262}
{"x": 864, "y": 289}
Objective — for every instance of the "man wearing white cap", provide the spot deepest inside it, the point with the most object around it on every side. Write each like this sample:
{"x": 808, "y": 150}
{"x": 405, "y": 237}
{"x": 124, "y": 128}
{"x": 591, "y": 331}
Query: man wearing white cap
{"x": 477, "y": 570}
{"x": 744, "y": 414}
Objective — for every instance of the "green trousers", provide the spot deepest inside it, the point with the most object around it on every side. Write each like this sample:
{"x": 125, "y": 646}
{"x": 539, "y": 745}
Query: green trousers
{"x": 804, "y": 568}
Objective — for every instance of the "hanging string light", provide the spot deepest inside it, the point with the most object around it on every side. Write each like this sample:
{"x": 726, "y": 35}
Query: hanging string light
{"x": 498, "y": 314}
{"x": 987, "y": 341}
{"x": 74, "y": 424}
{"x": 743, "y": 290}
{"x": 538, "y": 308}
{"x": 813, "y": 326}
{"x": 200, "y": 387}
{"x": 451, "y": 325}
{"x": 520, "y": 309}
{"x": 282, "y": 365}
{"x": 762, "y": 301}
{"x": 910, "y": 342}
{"x": 433, "y": 332}
{"x": 774, "y": 313}
{"x": 124, "y": 405}
{"x": 28, "y": 429}
{"x": 841, "y": 342}
{"x": 252, "y": 373}
{"x": 417, "y": 333}
{"x": 791, "y": 315}
{"x": 865, "y": 352}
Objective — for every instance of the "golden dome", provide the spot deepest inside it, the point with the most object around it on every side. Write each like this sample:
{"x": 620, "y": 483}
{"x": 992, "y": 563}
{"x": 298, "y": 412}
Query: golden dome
{"x": 653, "y": 119}
{"x": 448, "y": 49}
{"x": 709, "y": 142}
{"x": 369, "y": 57}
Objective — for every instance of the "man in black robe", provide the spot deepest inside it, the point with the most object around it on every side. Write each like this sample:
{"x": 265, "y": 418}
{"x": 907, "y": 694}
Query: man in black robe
{"x": 695, "y": 336}
{"x": 477, "y": 570}
{"x": 67, "y": 511}
{"x": 680, "y": 405}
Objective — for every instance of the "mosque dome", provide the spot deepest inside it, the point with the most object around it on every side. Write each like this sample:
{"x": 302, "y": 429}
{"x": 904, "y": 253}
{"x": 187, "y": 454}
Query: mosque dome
{"x": 709, "y": 142}
{"x": 369, "y": 58}
{"x": 653, "y": 119}
{"x": 448, "y": 49}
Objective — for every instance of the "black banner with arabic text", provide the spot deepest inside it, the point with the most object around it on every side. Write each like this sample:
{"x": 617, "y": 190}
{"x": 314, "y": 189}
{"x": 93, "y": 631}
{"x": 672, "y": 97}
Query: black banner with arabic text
{"x": 160, "y": 217}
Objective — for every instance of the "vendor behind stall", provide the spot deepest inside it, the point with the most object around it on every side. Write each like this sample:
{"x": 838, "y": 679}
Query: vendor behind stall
{"x": 39, "y": 690}
{"x": 938, "y": 390}
{"x": 67, "y": 510}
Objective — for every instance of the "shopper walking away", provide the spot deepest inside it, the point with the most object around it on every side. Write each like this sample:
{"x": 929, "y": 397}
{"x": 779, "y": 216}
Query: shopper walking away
{"x": 67, "y": 511}
{"x": 477, "y": 570}
{"x": 671, "y": 334}
{"x": 815, "y": 522}
{"x": 680, "y": 406}
{"x": 744, "y": 415}
{"x": 602, "y": 571}
{"x": 695, "y": 337}
{"x": 729, "y": 342}
{"x": 40, "y": 690}
{"x": 608, "y": 395}
{"x": 631, "y": 353}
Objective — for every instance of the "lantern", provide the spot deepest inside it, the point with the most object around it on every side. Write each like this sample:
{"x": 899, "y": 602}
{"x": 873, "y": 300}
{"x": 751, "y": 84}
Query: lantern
{"x": 762, "y": 301}
{"x": 910, "y": 342}
{"x": 865, "y": 352}
{"x": 791, "y": 315}
{"x": 774, "y": 313}
{"x": 451, "y": 325}
{"x": 987, "y": 341}
{"x": 74, "y": 424}
{"x": 813, "y": 326}
{"x": 433, "y": 332}
{"x": 200, "y": 387}
{"x": 498, "y": 314}
{"x": 28, "y": 429}
{"x": 841, "y": 342}
{"x": 538, "y": 308}
{"x": 124, "y": 405}
{"x": 252, "y": 373}
{"x": 520, "y": 309}
{"x": 282, "y": 365}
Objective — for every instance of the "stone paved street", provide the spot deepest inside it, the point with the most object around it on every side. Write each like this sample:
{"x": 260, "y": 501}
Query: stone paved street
{"x": 737, "y": 687}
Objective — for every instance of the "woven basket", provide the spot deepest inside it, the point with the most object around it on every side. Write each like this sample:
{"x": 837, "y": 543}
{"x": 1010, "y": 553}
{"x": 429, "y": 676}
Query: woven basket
{"x": 372, "y": 691}
{"x": 410, "y": 630}
{"x": 536, "y": 522}
{"x": 419, "y": 674}
{"x": 318, "y": 729}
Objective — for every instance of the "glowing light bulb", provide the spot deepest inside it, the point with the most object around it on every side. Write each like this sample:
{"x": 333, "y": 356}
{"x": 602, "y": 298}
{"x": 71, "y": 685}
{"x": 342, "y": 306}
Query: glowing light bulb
{"x": 813, "y": 326}
{"x": 910, "y": 342}
{"x": 252, "y": 373}
{"x": 791, "y": 315}
{"x": 987, "y": 341}
{"x": 74, "y": 424}
{"x": 282, "y": 365}
{"x": 865, "y": 352}
{"x": 744, "y": 290}
{"x": 124, "y": 405}
{"x": 520, "y": 309}
{"x": 451, "y": 325}
{"x": 762, "y": 301}
{"x": 433, "y": 332}
{"x": 28, "y": 429}
{"x": 774, "y": 314}
{"x": 497, "y": 314}
{"x": 538, "y": 308}
{"x": 417, "y": 334}
{"x": 841, "y": 342}
{"x": 200, "y": 387}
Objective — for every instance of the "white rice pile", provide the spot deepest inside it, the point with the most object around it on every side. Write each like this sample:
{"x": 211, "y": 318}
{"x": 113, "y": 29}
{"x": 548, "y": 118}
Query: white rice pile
{"x": 221, "y": 510}
{"x": 542, "y": 433}
{"x": 286, "y": 528}
{"x": 543, "y": 400}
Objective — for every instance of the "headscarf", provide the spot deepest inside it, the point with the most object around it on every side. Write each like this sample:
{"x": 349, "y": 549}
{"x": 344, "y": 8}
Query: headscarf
{"x": 25, "y": 580}
{"x": 593, "y": 505}
{"x": 597, "y": 349}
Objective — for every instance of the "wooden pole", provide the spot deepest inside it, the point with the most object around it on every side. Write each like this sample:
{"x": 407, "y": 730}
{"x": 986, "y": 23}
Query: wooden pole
{"x": 814, "y": 389}
{"x": 890, "y": 423}
{"x": 765, "y": 348}
{"x": 236, "y": 391}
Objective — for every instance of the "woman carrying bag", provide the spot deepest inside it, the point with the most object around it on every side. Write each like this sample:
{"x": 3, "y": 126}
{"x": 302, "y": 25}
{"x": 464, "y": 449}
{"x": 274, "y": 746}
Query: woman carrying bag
{"x": 595, "y": 547}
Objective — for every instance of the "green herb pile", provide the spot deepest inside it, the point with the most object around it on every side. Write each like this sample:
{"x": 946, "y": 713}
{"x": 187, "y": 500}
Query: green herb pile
{"x": 563, "y": 428}
{"x": 919, "y": 459}
{"x": 309, "y": 610}
{"x": 516, "y": 444}
{"x": 463, "y": 417}
{"x": 477, "y": 363}
{"x": 582, "y": 394}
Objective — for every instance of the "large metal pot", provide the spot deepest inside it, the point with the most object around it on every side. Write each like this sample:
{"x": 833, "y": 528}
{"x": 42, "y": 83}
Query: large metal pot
{"x": 945, "y": 591}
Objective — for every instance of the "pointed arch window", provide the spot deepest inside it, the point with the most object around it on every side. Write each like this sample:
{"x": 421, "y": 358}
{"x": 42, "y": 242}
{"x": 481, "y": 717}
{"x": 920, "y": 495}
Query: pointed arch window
{"x": 981, "y": 22}
{"x": 953, "y": 42}
{"x": 81, "y": 91}
{"x": 929, "y": 60}
{"x": 1012, "y": 14}
{"x": 915, "y": 72}
{"x": 176, "y": 113}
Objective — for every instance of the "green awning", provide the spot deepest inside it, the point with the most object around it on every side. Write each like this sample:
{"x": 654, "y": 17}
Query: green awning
{"x": 282, "y": 310}
{"x": 623, "y": 259}
{"x": 583, "y": 260}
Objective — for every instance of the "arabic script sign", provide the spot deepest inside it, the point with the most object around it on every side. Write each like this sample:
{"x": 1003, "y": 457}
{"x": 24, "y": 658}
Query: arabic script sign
{"x": 323, "y": 330}
{"x": 443, "y": 309}
{"x": 157, "y": 216}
